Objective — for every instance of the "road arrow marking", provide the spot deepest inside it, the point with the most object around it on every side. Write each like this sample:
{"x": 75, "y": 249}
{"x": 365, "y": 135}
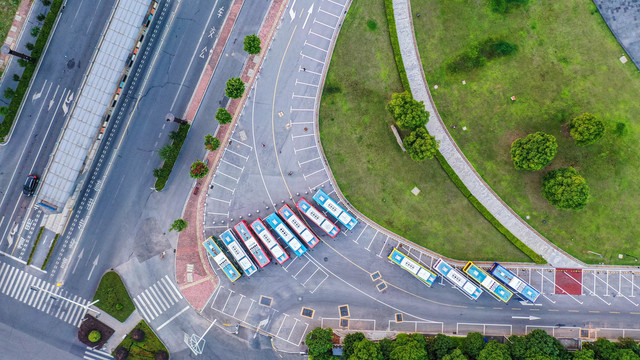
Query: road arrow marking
{"x": 526, "y": 303}
{"x": 203, "y": 51}
{"x": 67, "y": 101}
{"x": 308, "y": 14}
{"x": 79, "y": 258}
{"x": 95, "y": 262}
{"x": 53, "y": 98}
{"x": 39, "y": 94}
{"x": 291, "y": 12}
{"x": 530, "y": 317}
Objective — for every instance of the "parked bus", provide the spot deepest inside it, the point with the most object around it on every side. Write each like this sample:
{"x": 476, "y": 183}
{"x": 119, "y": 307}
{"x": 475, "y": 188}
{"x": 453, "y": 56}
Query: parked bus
{"x": 238, "y": 253}
{"x": 457, "y": 279}
{"x": 515, "y": 283}
{"x": 334, "y": 209}
{"x": 285, "y": 234}
{"x": 269, "y": 241}
{"x": 298, "y": 226}
{"x": 252, "y": 244}
{"x": 318, "y": 218}
{"x": 483, "y": 278}
{"x": 221, "y": 259}
{"x": 413, "y": 267}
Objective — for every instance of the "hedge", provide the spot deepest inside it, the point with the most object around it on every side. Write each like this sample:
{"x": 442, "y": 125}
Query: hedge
{"x": 35, "y": 245}
{"x": 514, "y": 240}
{"x": 452, "y": 174}
{"x": 167, "y": 166}
{"x": 393, "y": 35}
{"x": 53, "y": 245}
{"x": 23, "y": 85}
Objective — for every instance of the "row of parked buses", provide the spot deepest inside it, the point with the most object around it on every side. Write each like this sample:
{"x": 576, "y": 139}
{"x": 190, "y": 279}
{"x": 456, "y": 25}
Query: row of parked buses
{"x": 281, "y": 223}
{"x": 498, "y": 282}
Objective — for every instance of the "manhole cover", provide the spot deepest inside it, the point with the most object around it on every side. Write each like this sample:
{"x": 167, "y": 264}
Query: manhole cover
{"x": 71, "y": 63}
{"x": 326, "y": 259}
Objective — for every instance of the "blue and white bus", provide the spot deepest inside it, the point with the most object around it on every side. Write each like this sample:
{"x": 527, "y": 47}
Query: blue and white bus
{"x": 298, "y": 226}
{"x": 242, "y": 229}
{"x": 238, "y": 253}
{"x": 221, "y": 259}
{"x": 318, "y": 218}
{"x": 515, "y": 283}
{"x": 269, "y": 241}
{"x": 285, "y": 234}
{"x": 483, "y": 278}
{"x": 417, "y": 270}
{"x": 457, "y": 279}
{"x": 336, "y": 210}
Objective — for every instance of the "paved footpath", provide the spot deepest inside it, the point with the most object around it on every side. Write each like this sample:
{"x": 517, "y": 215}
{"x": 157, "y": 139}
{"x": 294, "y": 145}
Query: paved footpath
{"x": 454, "y": 156}
{"x": 193, "y": 273}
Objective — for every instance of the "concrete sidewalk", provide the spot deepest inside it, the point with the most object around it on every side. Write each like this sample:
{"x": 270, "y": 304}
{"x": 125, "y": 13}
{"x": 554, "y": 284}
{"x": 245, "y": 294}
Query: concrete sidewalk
{"x": 454, "y": 156}
{"x": 121, "y": 329}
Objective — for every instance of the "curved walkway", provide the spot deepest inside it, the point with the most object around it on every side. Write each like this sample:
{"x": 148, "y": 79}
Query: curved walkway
{"x": 454, "y": 156}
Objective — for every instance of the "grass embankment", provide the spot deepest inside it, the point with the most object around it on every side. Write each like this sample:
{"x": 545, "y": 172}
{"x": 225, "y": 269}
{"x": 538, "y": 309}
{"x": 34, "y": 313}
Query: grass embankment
{"x": 177, "y": 137}
{"x": 145, "y": 349}
{"x": 35, "y": 245}
{"x": 566, "y": 64}
{"x": 371, "y": 170}
{"x": 113, "y": 296}
{"x": 8, "y": 10}
{"x": 29, "y": 69}
{"x": 53, "y": 245}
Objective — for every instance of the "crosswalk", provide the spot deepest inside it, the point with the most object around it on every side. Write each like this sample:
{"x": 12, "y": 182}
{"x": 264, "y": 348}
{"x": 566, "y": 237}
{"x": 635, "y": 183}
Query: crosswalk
{"x": 95, "y": 354}
{"x": 24, "y": 287}
{"x": 157, "y": 298}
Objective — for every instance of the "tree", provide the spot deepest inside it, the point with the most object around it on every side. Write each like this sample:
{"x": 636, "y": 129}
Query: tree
{"x": 35, "y": 31}
{"x": 409, "y": 351}
{"x": 46, "y": 2}
{"x": 366, "y": 350}
{"x": 30, "y": 46}
{"x": 586, "y": 129}
{"x": 442, "y": 345}
{"x": 455, "y": 355}
{"x": 23, "y": 62}
{"x": 499, "y": 6}
{"x": 4, "y": 110}
{"x": 565, "y": 189}
{"x": 235, "y": 88}
{"x": 583, "y": 355}
{"x": 252, "y": 44}
{"x": 41, "y": 17}
{"x": 534, "y": 151}
{"x": 94, "y": 336}
{"x": 602, "y": 348}
{"x": 168, "y": 153}
{"x": 494, "y": 351}
{"x": 16, "y": 77}
{"x": 319, "y": 342}
{"x": 629, "y": 343}
{"x": 420, "y": 144}
{"x": 161, "y": 172}
{"x": 626, "y": 354}
{"x": 537, "y": 345}
{"x": 198, "y": 170}
{"x": 473, "y": 344}
{"x": 408, "y": 113}
{"x": 178, "y": 225}
{"x": 9, "y": 93}
{"x": 211, "y": 143}
{"x": 349, "y": 342}
{"x": 223, "y": 116}
{"x": 386, "y": 347}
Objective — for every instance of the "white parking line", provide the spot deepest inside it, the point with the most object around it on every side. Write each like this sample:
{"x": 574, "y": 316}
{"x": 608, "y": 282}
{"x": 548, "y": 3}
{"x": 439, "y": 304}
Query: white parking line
{"x": 321, "y": 23}
{"x": 305, "y": 265}
{"x": 285, "y": 268}
{"x": 373, "y": 238}
{"x": 301, "y": 110}
{"x": 242, "y": 143}
{"x": 383, "y": 245}
{"x": 307, "y": 148}
{"x": 225, "y": 303}
{"x": 249, "y": 310}
{"x": 238, "y": 305}
{"x": 294, "y": 326}
{"x": 229, "y": 176}
{"x": 235, "y": 153}
{"x": 215, "y": 297}
{"x": 308, "y": 161}
{"x": 224, "y": 187}
{"x": 328, "y": 13}
{"x": 299, "y": 136}
{"x": 313, "y": 173}
{"x": 309, "y": 278}
{"x": 309, "y": 57}
{"x": 282, "y": 323}
{"x": 317, "y": 186}
{"x": 235, "y": 166}
{"x": 321, "y": 282}
{"x": 224, "y": 201}
{"x": 215, "y": 213}
{"x": 302, "y": 97}
{"x": 309, "y": 71}
{"x": 304, "y": 83}
{"x": 341, "y": 5}
{"x": 313, "y": 46}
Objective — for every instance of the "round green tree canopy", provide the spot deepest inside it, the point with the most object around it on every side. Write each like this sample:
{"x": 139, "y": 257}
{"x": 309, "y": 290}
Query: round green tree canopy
{"x": 586, "y": 129}
{"x": 534, "y": 151}
{"x": 565, "y": 189}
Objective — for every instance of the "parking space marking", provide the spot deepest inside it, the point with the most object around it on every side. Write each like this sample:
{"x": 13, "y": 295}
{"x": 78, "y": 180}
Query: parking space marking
{"x": 633, "y": 285}
{"x": 584, "y": 287}
{"x": 302, "y": 96}
{"x": 307, "y": 161}
{"x": 303, "y": 135}
{"x": 242, "y": 143}
{"x": 285, "y": 268}
{"x": 328, "y": 13}
{"x": 229, "y": 176}
{"x": 238, "y": 305}
{"x": 235, "y": 166}
{"x": 321, "y": 23}
{"x": 313, "y": 46}
{"x": 235, "y": 153}
{"x": 361, "y": 232}
{"x": 305, "y": 265}
{"x": 306, "y": 70}
{"x": 224, "y": 187}
{"x": 373, "y": 238}
{"x": 216, "y": 199}
{"x": 326, "y": 276}
{"x": 249, "y": 310}
{"x": 566, "y": 293}
{"x": 291, "y": 109}
{"x": 341, "y": 5}
{"x": 282, "y": 323}
{"x": 608, "y": 285}
{"x": 318, "y": 35}
{"x": 307, "y": 84}
{"x": 307, "y": 148}
{"x": 309, "y": 57}
{"x": 313, "y": 173}
{"x": 292, "y": 328}
{"x": 231, "y": 292}
{"x": 309, "y": 278}
{"x": 383, "y": 245}
{"x": 319, "y": 185}
{"x": 215, "y": 213}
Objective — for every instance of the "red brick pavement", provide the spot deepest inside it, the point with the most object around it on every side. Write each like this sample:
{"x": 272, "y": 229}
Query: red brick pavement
{"x": 12, "y": 36}
{"x": 190, "y": 251}
{"x": 568, "y": 281}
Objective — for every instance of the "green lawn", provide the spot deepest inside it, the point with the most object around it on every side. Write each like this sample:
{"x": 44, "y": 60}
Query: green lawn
{"x": 8, "y": 10}
{"x": 112, "y": 292}
{"x": 567, "y": 64}
{"x": 371, "y": 170}
{"x": 145, "y": 349}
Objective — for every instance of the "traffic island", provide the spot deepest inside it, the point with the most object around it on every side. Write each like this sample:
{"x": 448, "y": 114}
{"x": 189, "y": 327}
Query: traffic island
{"x": 141, "y": 343}
{"x": 93, "y": 332}
{"x": 113, "y": 297}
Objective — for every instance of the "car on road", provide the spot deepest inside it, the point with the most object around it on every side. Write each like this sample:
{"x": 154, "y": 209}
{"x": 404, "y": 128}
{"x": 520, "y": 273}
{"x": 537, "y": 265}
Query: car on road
{"x": 30, "y": 185}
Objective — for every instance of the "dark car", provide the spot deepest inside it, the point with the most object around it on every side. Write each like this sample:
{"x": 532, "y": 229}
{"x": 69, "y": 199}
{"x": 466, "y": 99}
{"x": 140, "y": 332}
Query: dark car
{"x": 30, "y": 185}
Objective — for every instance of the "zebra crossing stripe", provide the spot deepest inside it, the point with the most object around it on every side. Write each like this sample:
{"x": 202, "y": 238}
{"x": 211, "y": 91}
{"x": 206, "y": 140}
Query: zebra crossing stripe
{"x": 174, "y": 287}
{"x": 149, "y": 306}
{"x": 152, "y": 303}
{"x": 2, "y": 270}
{"x": 161, "y": 299}
{"x": 95, "y": 354}
{"x": 33, "y": 294}
{"x": 143, "y": 310}
{"x": 17, "y": 283}
{"x": 9, "y": 279}
{"x": 165, "y": 292}
{"x": 153, "y": 296}
{"x": 5, "y": 276}
{"x": 25, "y": 289}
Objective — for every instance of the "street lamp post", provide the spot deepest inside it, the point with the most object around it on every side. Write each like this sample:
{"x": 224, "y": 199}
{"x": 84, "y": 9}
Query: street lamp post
{"x": 5, "y": 49}
{"x": 86, "y": 307}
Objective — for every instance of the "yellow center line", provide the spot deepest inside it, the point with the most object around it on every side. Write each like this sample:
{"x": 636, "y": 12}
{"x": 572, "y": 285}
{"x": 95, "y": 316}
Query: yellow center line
{"x": 553, "y": 310}
{"x": 516, "y": 309}
{"x": 574, "y": 311}
{"x": 594, "y": 311}
{"x": 634, "y": 313}
{"x": 534, "y": 309}
{"x": 614, "y": 312}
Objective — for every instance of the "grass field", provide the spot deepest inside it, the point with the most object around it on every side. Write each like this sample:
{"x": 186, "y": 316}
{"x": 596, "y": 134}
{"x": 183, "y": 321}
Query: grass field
{"x": 145, "y": 349}
{"x": 567, "y": 64}
{"x": 112, "y": 292}
{"x": 371, "y": 170}
{"x": 8, "y": 10}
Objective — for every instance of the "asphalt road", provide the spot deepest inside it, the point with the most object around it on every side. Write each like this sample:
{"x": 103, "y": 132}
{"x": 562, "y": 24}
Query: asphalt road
{"x": 43, "y": 115}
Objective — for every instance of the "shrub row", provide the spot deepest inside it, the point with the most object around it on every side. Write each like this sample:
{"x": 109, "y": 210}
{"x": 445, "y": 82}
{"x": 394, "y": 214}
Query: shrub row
{"x": 162, "y": 174}
{"x": 393, "y": 35}
{"x": 29, "y": 69}
{"x": 33, "y": 249}
{"x": 487, "y": 215}
{"x": 53, "y": 245}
